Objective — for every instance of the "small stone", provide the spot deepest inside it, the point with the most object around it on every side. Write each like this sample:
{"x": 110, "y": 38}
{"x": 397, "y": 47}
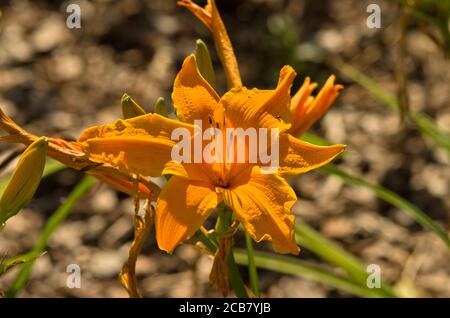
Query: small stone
{"x": 107, "y": 264}
{"x": 51, "y": 33}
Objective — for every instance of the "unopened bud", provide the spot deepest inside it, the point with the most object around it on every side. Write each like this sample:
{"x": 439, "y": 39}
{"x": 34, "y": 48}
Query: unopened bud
{"x": 130, "y": 108}
{"x": 25, "y": 179}
{"x": 160, "y": 107}
{"x": 204, "y": 63}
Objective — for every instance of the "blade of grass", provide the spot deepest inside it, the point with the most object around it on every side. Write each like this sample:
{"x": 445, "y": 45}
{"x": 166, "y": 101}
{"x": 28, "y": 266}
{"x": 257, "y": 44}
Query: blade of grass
{"x": 424, "y": 123}
{"x": 428, "y": 127}
{"x": 252, "y": 271}
{"x": 237, "y": 283}
{"x": 439, "y": 21}
{"x": 386, "y": 195}
{"x": 52, "y": 224}
{"x": 331, "y": 252}
{"x": 209, "y": 244}
{"x": 381, "y": 192}
{"x": 314, "y": 139}
{"x": 292, "y": 266}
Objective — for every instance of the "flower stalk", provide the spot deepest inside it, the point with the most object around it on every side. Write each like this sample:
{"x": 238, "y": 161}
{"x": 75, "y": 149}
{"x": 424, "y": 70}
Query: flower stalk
{"x": 209, "y": 16}
{"x": 252, "y": 271}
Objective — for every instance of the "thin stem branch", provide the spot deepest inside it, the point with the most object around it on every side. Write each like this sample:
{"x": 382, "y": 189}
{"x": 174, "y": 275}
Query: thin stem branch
{"x": 252, "y": 270}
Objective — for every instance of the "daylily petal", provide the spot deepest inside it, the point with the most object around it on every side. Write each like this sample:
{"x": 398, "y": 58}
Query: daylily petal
{"x": 301, "y": 97}
{"x": 177, "y": 218}
{"x": 297, "y": 156}
{"x": 262, "y": 203}
{"x": 188, "y": 171}
{"x": 306, "y": 110}
{"x": 125, "y": 183}
{"x": 260, "y": 108}
{"x": 282, "y": 98}
{"x": 193, "y": 97}
{"x": 139, "y": 145}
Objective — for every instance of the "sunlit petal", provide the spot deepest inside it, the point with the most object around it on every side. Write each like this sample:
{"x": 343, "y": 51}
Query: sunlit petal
{"x": 262, "y": 203}
{"x": 139, "y": 145}
{"x": 182, "y": 207}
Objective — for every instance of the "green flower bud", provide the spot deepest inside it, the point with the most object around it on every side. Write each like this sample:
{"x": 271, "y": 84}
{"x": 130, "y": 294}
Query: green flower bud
{"x": 204, "y": 63}
{"x": 130, "y": 108}
{"x": 160, "y": 107}
{"x": 25, "y": 179}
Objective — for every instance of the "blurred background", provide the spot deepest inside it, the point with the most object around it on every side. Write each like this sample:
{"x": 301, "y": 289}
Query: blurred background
{"x": 58, "y": 81}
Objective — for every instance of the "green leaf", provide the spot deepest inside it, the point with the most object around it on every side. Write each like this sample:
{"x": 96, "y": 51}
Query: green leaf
{"x": 236, "y": 280}
{"x": 331, "y": 252}
{"x": 6, "y": 265}
{"x": 423, "y": 122}
{"x": 52, "y": 224}
{"x": 428, "y": 127}
{"x": 209, "y": 244}
{"x": 291, "y": 266}
{"x": 386, "y": 195}
{"x": 314, "y": 139}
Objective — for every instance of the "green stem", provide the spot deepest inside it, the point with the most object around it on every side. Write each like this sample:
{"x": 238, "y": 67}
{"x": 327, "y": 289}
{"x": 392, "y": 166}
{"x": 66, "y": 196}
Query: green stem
{"x": 237, "y": 283}
{"x": 291, "y": 266}
{"x": 52, "y": 224}
{"x": 223, "y": 220}
{"x": 252, "y": 270}
{"x": 210, "y": 244}
{"x": 328, "y": 250}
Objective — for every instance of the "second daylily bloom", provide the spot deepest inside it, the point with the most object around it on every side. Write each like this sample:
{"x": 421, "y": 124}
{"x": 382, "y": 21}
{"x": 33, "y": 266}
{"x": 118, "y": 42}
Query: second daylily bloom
{"x": 261, "y": 202}
{"x": 306, "y": 109}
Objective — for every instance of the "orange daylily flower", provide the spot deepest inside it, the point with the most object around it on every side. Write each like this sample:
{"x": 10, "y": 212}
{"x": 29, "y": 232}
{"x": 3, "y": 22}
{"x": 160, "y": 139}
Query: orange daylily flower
{"x": 142, "y": 146}
{"x": 261, "y": 202}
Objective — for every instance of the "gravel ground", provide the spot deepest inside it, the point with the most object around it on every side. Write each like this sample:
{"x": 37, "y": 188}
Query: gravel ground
{"x": 58, "y": 81}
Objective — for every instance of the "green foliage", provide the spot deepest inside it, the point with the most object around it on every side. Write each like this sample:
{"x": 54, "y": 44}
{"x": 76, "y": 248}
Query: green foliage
{"x": 423, "y": 122}
{"x": 52, "y": 224}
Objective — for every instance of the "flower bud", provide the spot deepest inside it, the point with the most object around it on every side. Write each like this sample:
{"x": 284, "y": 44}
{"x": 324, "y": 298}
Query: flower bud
{"x": 130, "y": 108}
{"x": 25, "y": 179}
{"x": 204, "y": 63}
{"x": 160, "y": 107}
